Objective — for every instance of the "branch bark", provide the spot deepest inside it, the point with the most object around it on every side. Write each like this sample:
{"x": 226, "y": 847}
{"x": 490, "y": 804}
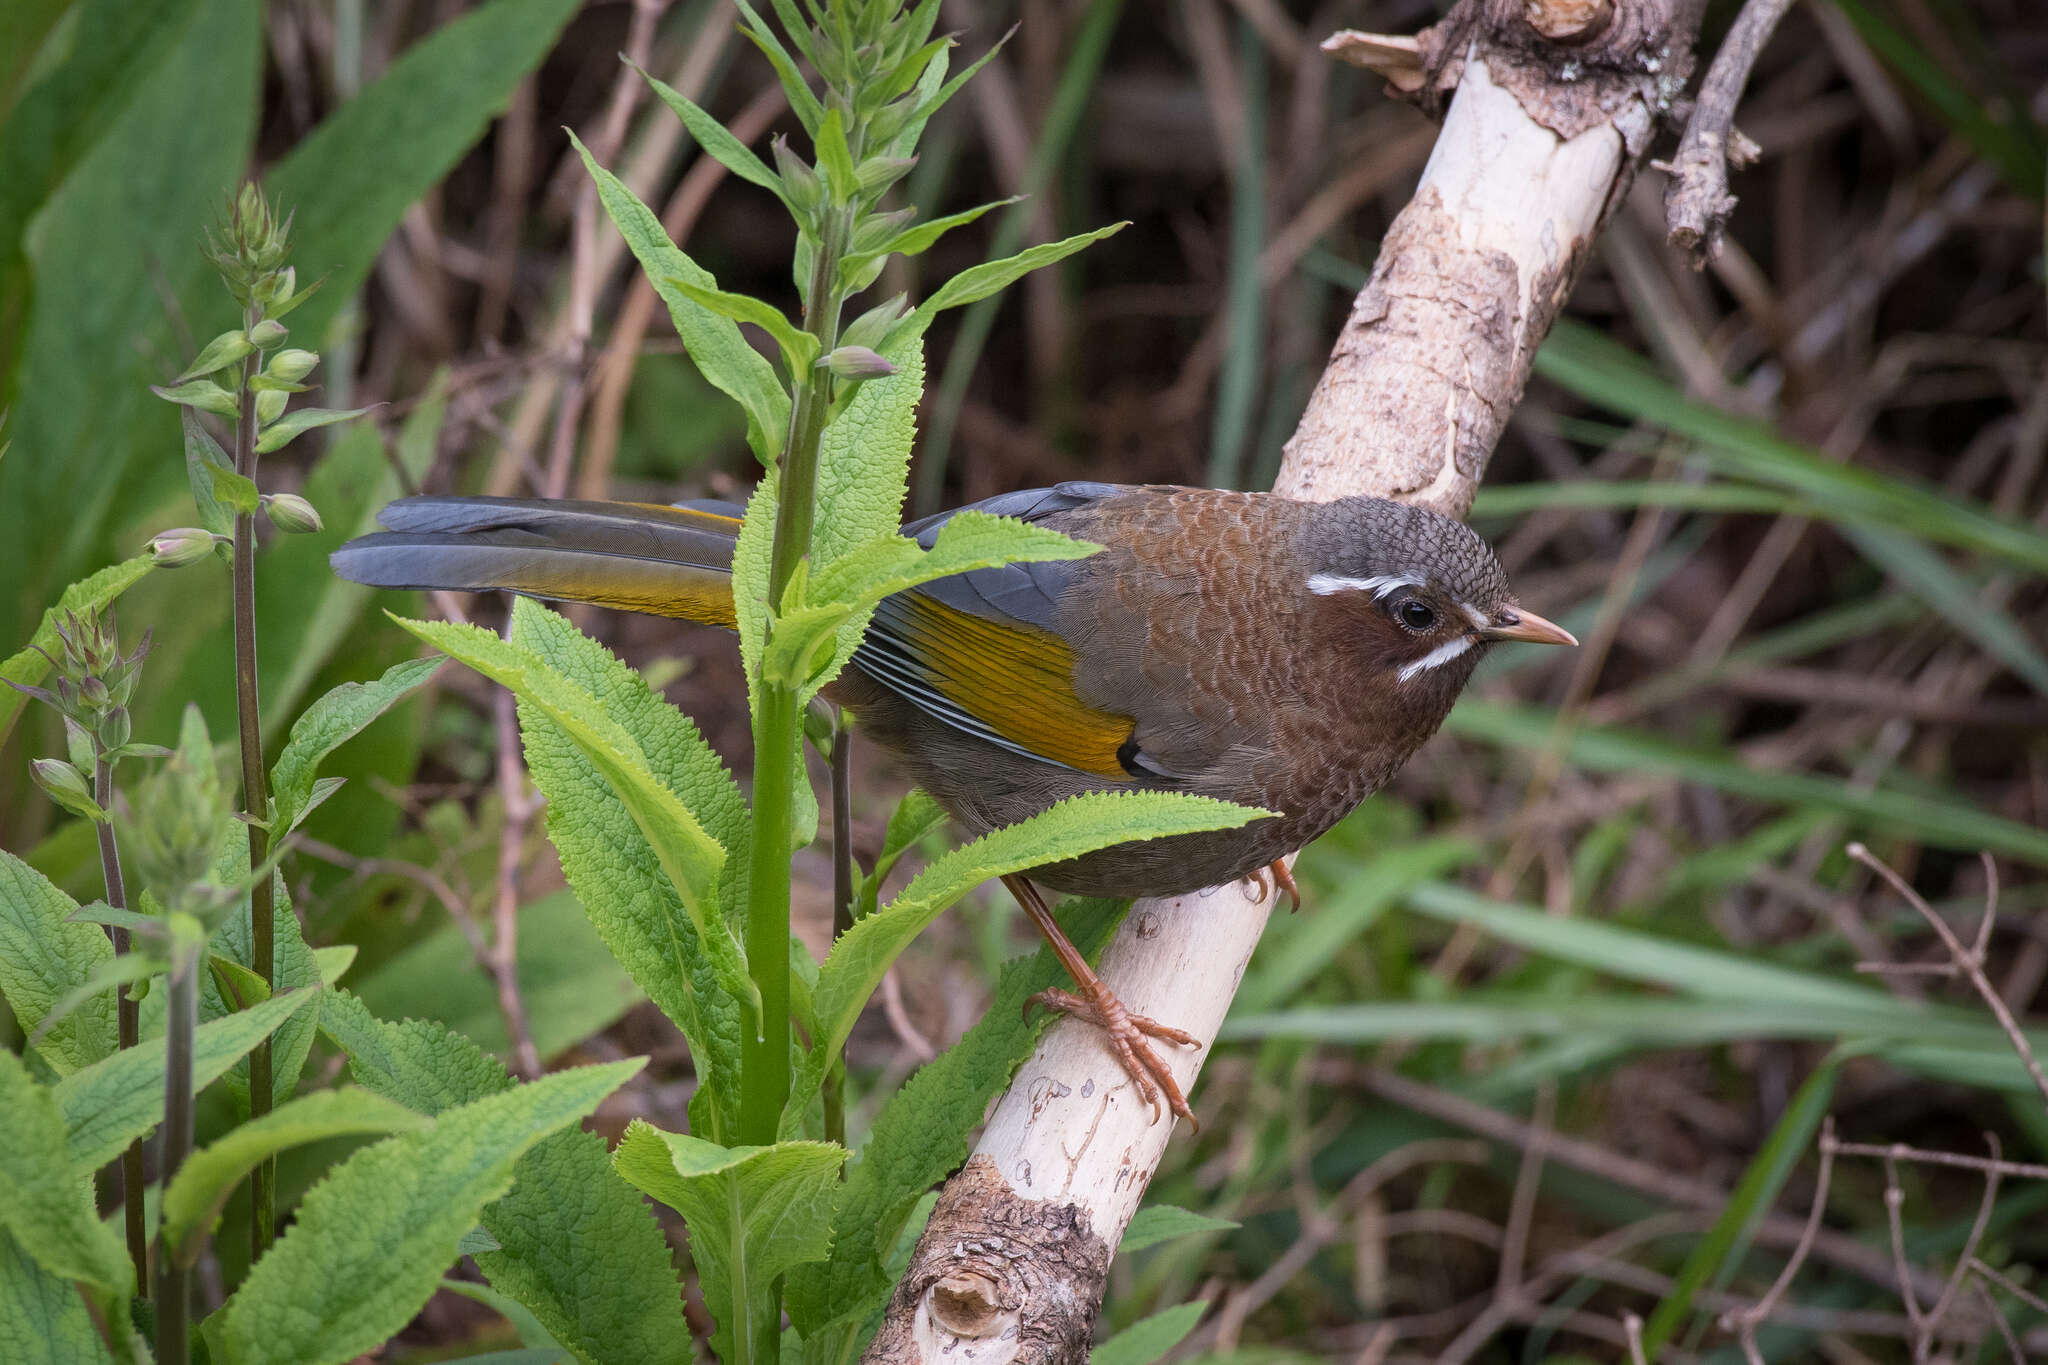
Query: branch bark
{"x": 1539, "y": 144}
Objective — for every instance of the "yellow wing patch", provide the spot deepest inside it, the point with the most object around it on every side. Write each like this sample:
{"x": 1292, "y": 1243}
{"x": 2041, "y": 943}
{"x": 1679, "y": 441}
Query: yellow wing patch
{"x": 1016, "y": 680}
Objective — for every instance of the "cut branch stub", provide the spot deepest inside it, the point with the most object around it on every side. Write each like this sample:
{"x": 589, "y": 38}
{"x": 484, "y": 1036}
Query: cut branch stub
{"x": 996, "y": 1278}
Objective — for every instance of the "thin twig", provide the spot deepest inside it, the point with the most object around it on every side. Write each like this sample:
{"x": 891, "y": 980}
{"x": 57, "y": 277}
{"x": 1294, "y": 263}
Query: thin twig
{"x": 1899, "y": 1151}
{"x": 1956, "y": 1277}
{"x": 1744, "y": 1323}
{"x": 1697, "y": 202}
{"x": 1971, "y": 961}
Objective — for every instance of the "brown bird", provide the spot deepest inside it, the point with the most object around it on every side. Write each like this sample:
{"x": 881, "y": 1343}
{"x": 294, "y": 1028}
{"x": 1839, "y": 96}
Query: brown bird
{"x": 1280, "y": 654}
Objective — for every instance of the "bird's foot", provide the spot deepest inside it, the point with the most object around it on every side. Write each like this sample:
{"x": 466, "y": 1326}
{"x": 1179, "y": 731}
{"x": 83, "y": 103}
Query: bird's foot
{"x": 1128, "y": 1034}
{"x": 1275, "y": 875}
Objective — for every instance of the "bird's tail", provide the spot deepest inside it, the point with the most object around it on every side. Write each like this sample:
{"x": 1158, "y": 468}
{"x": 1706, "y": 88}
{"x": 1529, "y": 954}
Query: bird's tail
{"x": 666, "y": 561}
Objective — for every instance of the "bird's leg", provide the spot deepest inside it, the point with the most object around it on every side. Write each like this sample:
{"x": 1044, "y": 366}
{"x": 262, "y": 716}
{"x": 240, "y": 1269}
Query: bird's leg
{"x": 1096, "y": 1003}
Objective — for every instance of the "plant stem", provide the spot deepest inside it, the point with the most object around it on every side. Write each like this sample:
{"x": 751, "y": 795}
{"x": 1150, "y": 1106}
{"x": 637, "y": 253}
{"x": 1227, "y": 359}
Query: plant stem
{"x": 842, "y": 903}
{"x": 173, "y": 1289}
{"x": 764, "y": 1052}
{"x": 127, "y": 1016}
{"x": 255, "y": 793}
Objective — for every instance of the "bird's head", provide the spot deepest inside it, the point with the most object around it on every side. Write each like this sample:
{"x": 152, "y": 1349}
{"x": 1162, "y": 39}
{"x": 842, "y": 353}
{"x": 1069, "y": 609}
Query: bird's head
{"x": 1420, "y": 595}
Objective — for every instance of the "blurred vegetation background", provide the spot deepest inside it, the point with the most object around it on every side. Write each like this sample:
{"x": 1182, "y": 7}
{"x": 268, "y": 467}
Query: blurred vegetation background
{"x": 1567, "y": 1005}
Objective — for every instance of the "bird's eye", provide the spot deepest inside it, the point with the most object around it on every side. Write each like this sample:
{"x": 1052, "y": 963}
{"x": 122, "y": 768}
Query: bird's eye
{"x": 1416, "y": 615}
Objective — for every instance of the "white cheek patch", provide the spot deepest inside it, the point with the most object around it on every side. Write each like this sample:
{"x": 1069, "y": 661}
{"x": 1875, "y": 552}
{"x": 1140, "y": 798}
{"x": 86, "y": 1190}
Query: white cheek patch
{"x": 1474, "y": 615}
{"x": 1437, "y": 657}
{"x": 1379, "y": 585}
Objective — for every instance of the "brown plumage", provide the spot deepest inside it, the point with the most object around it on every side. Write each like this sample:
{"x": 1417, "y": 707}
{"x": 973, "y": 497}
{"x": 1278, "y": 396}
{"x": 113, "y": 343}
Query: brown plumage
{"x": 1270, "y": 652}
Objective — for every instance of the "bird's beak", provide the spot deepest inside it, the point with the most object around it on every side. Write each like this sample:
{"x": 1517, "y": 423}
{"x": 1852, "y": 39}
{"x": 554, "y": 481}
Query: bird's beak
{"x": 1519, "y": 623}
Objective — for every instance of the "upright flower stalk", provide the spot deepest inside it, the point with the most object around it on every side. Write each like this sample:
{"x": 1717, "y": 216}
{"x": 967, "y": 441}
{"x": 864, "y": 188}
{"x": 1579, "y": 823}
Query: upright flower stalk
{"x": 249, "y": 252}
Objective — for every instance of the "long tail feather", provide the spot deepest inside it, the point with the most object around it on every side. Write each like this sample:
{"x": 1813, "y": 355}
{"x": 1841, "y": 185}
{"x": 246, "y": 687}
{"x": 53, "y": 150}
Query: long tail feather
{"x": 665, "y": 561}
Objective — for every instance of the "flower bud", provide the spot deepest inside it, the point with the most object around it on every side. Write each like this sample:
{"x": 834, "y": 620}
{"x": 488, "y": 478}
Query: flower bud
{"x": 185, "y": 545}
{"x": 878, "y": 173}
{"x": 292, "y": 514}
{"x": 797, "y": 178}
{"x": 267, "y": 333}
{"x": 116, "y": 729}
{"x": 65, "y": 785}
{"x": 92, "y": 690}
{"x": 270, "y": 406}
{"x": 291, "y": 366}
{"x": 858, "y": 362}
{"x": 280, "y": 288}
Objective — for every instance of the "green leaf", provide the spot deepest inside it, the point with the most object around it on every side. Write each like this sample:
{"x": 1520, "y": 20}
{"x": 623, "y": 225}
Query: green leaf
{"x": 201, "y": 394}
{"x": 30, "y": 666}
{"x": 299, "y": 421}
{"x": 45, "y": 955}
{"x": 753, "y": 1213}
{"x": 1586, "y": 362}
{"x": 727, "y": 150}
{"x": 918, "y": 238}
{"x": 293, "y": 968}
{"x": 835, "y": 159}
{"x": 205, "y": 461}
{"x": 112, "y": 1102}
{"x": 1080, "y": 824}
{"x": 571, "y": 985}
{"x": 799, "y": 348}
{"x": 616, "y": 874}
{"x": 352, "y": 178}
{"x": 689, "y": 856}
{"x": 1156, "y": 1223}
{"x": 46, "y": 1198}
{"x": 44, "y": 1320}
{"x": 915, "y": 816}
{"x": 920, "y": 1135}
{"x": 192, "y": 1205}
{"x": 370, "y": 1241}
{"x": 721, "y": 354}
{"x": 1956, "y": 601}
{"x": 1942, "y": 821}
{"x": 326, "y": 725}
{"x": 572, "y": 1243}
{"x": 1147, "y": 1339}
{"x": 219, "y": 353}
{"x": 805, "y": 104}
{"x": 978, "y": 282}
{"x": 1717, "y": 1254}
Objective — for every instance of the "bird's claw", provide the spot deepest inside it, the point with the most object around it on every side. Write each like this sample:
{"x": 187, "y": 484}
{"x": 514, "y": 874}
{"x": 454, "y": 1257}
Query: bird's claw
{"x": 1127, "y": 1034}
{"x": 1276, "y": 874}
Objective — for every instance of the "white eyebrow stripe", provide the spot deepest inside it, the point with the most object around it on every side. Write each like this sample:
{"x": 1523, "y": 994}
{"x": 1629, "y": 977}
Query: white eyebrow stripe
{"x": 1437, "y": 657}
{"x": 1379, "y": 585}
{"x": 1474, "y": 615}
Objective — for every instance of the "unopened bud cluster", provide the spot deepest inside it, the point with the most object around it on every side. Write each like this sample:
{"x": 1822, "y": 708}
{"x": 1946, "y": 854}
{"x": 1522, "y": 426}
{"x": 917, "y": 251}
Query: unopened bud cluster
{"x": 91, "y": 684}
{"x": 174, "y": 832}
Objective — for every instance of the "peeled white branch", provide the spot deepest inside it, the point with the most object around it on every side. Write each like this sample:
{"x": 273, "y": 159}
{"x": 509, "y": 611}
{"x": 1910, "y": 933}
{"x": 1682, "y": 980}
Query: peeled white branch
{"x": 1539, "y": 145}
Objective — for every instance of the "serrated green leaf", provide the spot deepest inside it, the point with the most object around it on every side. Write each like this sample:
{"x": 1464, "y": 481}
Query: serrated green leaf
{"x": 44, "y": 1320}
{"x": 45, "y": 955}
{"x": 572, "y": 1244}
{"x": 721, "y": 354}
{"x": 192, "y": 1205}
{"x": 799, "y": 348}
{"x": 114, "y": 1101}
{"x": 752, "y": 1212}
{"x": 327, "y": 724}
{"x": 1156, "y": 1223}
{"x": 915, "y": 816}
{"x": 32, "y": 664}
{"x": 1147, "y": 1339}
{"x": 298, "y": 422}
{"x": 369, "y": 1242}
{"x": 967, "y": 541}
{"x": 718, "y": 142}
{"x": 46, "y": 1198}
{"x": 219, "y": 353}
{"x": 978, "y": 282}
{"x": 617, "y": 876}
{"x": 1080, "y": 824}
{"x": 920, "y": 1135}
